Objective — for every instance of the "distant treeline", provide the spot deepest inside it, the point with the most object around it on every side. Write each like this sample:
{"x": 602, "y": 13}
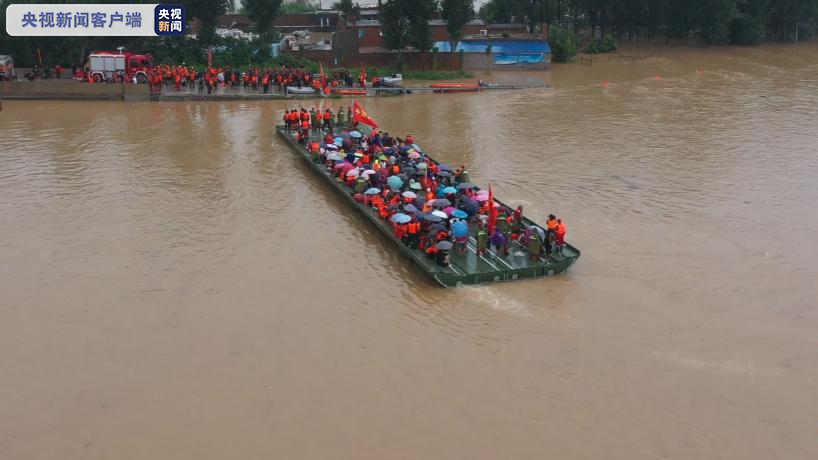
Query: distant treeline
{"x": 743, "y": 22}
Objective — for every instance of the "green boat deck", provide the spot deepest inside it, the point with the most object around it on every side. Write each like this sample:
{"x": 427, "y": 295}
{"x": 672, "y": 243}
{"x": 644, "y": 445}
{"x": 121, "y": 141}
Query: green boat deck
{"x": 466, "y": 268}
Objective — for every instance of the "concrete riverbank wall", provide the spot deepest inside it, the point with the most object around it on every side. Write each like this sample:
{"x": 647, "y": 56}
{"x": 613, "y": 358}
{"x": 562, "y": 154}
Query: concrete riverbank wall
{"x": 73, "y": 90}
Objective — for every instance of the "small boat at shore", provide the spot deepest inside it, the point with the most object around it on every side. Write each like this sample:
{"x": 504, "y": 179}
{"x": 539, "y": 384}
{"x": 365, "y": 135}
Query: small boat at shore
{"x": 302, "y": 90}
{"x": 454, "y": 87}
{"x": 349, "y": 91}
{"x": 393, "y": 81}
{"x": 462, "y": 269}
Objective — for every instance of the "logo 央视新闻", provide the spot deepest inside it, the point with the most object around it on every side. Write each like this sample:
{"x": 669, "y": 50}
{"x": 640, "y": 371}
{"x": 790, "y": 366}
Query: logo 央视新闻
{"x": 169, "y": 20}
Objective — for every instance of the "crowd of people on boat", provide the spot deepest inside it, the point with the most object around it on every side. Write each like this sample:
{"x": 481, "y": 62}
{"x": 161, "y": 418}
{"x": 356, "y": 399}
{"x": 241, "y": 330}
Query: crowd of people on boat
{"x": 429, "y": 206}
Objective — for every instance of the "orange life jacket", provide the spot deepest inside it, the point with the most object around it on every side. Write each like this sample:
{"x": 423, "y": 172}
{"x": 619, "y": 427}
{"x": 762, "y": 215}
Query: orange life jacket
{"x": 414, "y": 227}
{"x": 561, "y": 229}
{"x": 305, "y": 124}
{"x": 305, "y": 116}
{"x": 327, "y": 115}
{"x": 551, "y": 224}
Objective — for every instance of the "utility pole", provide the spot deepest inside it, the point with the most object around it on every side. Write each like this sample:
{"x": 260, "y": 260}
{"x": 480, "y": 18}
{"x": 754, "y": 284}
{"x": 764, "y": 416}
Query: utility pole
{"x": 796, "y": 33}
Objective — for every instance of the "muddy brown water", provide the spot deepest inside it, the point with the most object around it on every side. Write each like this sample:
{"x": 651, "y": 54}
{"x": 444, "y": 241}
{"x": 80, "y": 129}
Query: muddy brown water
{"x": 175, "y": 285}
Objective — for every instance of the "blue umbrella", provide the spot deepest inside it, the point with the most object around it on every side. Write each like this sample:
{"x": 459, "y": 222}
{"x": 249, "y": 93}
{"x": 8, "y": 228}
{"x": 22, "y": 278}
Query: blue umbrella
{"x": 372, "y": 191}
{"x": 411, "y": 208}
{"x": 355, "y": 134}
{"x": 460, "y": 214}
{"x": 443, "y": 167}
{"x": 400, "y": 218}
{"x": 344, "y": 135}
{"x": 417, "y": 147}
{"x": 539, "y": 231}
{"x": 448, "y": 190}
{"x": 405, "y": 148}
{"x": 460, "y": 229}
{"x": 394, "y": 182}
{"x": 388, "y": 150}
{"x": 339, "y": 140}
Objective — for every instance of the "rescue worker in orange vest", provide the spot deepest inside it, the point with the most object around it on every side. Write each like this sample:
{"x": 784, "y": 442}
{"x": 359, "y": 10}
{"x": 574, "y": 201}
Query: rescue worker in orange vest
{"x": 383, "y": 211}
{"x": 315, "y": 148}
{"x": 413, "y": 229}
{"x": 327, "y": 119}
{"x": 430, "y": 195}
{"x": 560, "y": 234}
{"x": 305, "y": 129}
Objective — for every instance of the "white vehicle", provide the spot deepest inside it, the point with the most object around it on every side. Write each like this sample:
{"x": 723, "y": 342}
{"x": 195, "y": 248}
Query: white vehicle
{"x": 103, "y": 67}
{"x": 394, "y": 80}
{"x": 6, "y": 67}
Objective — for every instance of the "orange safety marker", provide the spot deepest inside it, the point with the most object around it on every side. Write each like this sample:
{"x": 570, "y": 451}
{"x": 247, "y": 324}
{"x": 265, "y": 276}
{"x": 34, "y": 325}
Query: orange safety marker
{"x": 604, "y": 83}
{"x": 658, "y": 77}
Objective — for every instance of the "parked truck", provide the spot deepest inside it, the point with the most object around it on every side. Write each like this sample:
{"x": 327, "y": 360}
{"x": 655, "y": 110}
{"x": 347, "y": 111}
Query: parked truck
{"x": 114, "y": 65}
{"x": 6, "y": 67}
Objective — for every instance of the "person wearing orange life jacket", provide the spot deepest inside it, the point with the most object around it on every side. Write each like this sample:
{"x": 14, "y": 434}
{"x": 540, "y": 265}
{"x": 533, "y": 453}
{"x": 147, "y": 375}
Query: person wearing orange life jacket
{"x": 413, "y": 230}
{"x": 430, "y": 195}
{"x": 383, "y": 211}
{"x": 560, "y": 234}
{"x": 327, "y": 119}
{"x": 395, "y": 170}
{"x": 315, "y": 149}
{"x": 409, "y": 140}
{"x": 305, "y": 129}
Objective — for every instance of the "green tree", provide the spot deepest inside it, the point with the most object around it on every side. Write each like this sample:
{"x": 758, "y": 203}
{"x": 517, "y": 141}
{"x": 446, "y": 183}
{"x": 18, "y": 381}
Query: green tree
{"x": 295, "y": 7}
{"x": 264, "y": 12}
{"x": 564, "y": 44}
{"x": 456, "y": 13}
{"x": 208, "y": 11}
{"x": 348, "y": 9}
{"x": 395, "y": 26}
{"x": 420, "y": 12}
{"x": 714, "y": 18}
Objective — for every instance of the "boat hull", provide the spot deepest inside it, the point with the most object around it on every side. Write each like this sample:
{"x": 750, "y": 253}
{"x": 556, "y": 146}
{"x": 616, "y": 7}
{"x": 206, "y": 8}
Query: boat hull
{"x": 349, "y": 92}
{"x": 297, "y": 90}
{"x": 484, "y": 269}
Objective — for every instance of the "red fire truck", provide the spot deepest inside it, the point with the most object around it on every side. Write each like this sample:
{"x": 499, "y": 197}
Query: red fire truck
{"x": 121, "y": 64}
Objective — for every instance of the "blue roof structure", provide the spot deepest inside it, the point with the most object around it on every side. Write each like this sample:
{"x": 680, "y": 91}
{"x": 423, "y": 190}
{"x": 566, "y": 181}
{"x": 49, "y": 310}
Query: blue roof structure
{"x": 497, "y": 47}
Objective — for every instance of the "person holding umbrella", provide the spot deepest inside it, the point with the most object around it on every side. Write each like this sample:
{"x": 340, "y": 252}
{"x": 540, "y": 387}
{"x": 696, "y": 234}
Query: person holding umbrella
{"x": 460, "y": 232}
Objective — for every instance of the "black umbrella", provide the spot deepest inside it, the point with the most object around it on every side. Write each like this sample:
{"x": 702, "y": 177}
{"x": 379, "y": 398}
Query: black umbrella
{"x": 472, "y": 207}
{"x": 444, "y": 173}
{"x": 437, "y": 228}
{"x": 441, "y": 203}
{"x": 409, "y": 171}
{"x": 465, "y": 185}
{"x": 411, "y": 208}
{"x": 432, "y": 218}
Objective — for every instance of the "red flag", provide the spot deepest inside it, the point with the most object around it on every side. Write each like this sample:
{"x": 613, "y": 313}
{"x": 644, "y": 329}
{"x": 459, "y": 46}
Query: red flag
{"x": 323, "y": 76}
{"x": 359, "y": 115}
{"x": 492, "y": 212}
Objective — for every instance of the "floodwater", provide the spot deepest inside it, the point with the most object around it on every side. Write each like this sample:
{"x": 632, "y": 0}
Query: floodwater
{"x": 175, "y": 285}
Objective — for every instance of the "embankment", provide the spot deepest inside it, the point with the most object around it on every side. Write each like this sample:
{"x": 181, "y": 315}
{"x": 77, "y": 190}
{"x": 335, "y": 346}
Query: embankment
{"x": 73, "y": 90}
